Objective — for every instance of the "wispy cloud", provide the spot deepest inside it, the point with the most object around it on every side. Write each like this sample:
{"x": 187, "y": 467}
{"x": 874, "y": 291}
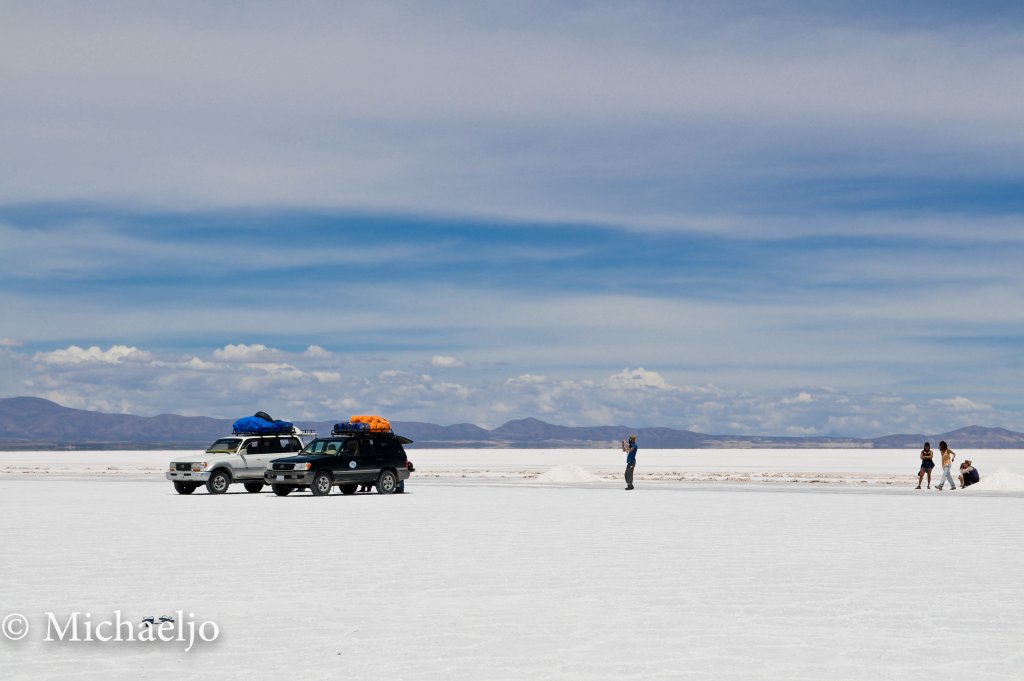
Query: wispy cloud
{"x": 657, "y": 114}
{"x": 737, "y": 216}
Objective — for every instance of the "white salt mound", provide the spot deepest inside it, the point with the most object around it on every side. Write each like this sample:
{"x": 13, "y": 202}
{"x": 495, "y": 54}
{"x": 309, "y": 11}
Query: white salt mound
{"x": 1000, "y": 480}
{"x": 568, "y": 473}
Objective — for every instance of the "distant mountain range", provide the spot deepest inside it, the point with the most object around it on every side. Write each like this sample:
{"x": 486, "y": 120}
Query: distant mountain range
{"x": 34, "y": 423}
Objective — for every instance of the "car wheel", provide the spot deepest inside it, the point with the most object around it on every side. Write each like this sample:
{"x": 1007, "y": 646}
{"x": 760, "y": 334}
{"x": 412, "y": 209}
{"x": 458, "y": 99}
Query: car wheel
{"x": 184, "y": 487}
{"x": 254, "y": 487}
{"x": 321, "y": 484}
{"x": 348, "y": 489}
{"x": 282, "y": 490}
{"x": 218, "y": 483}
{"x": 386, "y": 483}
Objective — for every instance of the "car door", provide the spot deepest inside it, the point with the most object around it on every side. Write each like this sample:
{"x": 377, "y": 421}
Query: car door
{"x": 369, "y": 460}
{"x": 347, "y": 468}
{"x": 249, "y": 459}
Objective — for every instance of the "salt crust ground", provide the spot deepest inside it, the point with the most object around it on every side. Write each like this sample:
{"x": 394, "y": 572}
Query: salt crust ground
{"x": 514, "y": 578}
{"x": 1001, "y": 469}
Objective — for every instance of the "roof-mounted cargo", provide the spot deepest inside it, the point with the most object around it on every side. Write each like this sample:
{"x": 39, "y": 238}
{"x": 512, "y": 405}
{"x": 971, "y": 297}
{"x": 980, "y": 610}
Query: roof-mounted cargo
{"x": 363, "y": 424}
{"x": 262, "y": 424}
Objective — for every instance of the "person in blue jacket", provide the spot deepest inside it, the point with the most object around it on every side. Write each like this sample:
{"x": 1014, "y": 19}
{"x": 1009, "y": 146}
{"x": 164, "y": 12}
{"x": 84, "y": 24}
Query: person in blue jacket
{"x": 630, "y": 460}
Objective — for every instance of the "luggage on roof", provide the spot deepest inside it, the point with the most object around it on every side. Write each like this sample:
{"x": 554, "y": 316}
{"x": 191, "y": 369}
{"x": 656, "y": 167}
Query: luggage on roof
{"x": 258, "y": 425}
{"x": 351, "y": 428}
{"x": 363, "y": 424}
{"x": 377, "y": 424}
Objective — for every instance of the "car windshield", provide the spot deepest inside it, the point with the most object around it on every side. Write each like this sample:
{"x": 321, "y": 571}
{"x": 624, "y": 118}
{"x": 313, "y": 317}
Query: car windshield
{"x": 328, "y": 447}
{"x": 225, "y": 444}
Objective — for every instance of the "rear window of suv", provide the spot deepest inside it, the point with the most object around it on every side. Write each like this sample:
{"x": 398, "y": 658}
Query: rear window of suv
{"x": 391, "y": 448}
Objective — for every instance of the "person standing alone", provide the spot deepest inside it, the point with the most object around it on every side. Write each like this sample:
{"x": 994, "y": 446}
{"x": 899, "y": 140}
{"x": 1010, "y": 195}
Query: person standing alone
{"x": 926, "y": 466}
{"x": 630, "y": 460}
{"x": 948, "y": 456}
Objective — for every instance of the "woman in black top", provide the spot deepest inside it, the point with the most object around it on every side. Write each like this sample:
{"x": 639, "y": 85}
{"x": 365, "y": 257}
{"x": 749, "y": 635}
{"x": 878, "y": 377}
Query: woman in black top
{"x": 968, "y": 474}
{"x": 926, "y": 466}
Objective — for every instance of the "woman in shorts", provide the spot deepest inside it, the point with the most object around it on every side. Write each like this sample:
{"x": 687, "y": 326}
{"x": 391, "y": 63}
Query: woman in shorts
{"x": 926, "y": 466}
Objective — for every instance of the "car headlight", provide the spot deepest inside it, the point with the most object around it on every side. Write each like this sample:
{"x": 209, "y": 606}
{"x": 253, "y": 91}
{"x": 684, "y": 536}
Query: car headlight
{"x": 172, "y": 467}
{"x": 303, "y": 466}
{"x": 198, "y": 466}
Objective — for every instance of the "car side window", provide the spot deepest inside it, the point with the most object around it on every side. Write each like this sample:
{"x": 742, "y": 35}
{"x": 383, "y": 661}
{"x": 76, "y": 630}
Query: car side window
{"x": 252, "y": 447}
{"x": 290, "y": 444}
{"x": 391, "y": 448}
{"x": 351, "y": 448}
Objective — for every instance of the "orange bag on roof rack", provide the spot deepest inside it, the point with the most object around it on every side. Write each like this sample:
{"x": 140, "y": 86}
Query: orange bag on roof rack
{"x": 378, "y": 424}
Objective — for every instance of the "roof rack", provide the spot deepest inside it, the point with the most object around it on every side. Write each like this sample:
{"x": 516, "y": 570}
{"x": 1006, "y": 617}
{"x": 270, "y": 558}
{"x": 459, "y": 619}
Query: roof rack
{"x": 293, "y": 430}
{"x": 355, "y": 428}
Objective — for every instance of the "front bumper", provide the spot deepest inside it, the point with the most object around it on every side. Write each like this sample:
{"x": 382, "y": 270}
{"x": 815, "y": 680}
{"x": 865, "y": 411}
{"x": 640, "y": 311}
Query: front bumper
{"x": 296, "y": 478}
{"x": 187, "y": 476}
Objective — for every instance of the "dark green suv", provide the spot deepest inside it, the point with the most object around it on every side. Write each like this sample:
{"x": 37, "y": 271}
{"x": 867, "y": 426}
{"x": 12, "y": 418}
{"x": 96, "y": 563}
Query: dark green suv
{"x": 347, "y": 460}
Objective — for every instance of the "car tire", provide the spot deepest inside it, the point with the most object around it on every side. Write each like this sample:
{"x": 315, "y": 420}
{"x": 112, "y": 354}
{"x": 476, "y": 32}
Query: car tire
{"x": 387, "y": 482}
{"x": 184, "y": 487}
{"x": 218, "y": 483}
{"x": 322, "y": 484}
{"x": 282, "y": 490}
{"x": 253, "y": 487}
{"x": 348, "y": 489}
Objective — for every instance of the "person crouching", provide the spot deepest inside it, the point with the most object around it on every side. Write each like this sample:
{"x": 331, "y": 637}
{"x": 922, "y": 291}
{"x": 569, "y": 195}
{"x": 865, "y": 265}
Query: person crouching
{"x": 968, "y": 474}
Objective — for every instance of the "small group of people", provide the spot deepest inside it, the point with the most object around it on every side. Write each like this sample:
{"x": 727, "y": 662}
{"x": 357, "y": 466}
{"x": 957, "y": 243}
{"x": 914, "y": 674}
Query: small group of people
{"x": 968, "y": 473}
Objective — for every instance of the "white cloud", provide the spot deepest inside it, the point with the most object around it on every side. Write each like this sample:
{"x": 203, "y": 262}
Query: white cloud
{"x": 9, "y": 343}
{"x": 276, "y": 369}
{"x": 638, "y": 378}
{"x": 201, "y": 365}
{"x": 445, "y": 362}
{"x": 116, "y": 354}
{"x": 527, "y": 379}
{"x": 247, "y": 353}
{"x": 960, "y": 404}
{"x": 316, "y": 352}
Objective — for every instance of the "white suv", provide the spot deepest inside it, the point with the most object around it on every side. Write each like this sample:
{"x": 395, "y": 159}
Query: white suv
{"x": 234, "y": 458}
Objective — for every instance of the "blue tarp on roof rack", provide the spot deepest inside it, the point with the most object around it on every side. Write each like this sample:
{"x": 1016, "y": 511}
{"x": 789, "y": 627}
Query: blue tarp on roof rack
{"x": 254, "y": 425}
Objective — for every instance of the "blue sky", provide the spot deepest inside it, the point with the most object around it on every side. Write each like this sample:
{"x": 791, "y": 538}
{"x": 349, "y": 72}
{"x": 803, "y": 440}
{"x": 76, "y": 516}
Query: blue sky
{"x": 753, "y": 218}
